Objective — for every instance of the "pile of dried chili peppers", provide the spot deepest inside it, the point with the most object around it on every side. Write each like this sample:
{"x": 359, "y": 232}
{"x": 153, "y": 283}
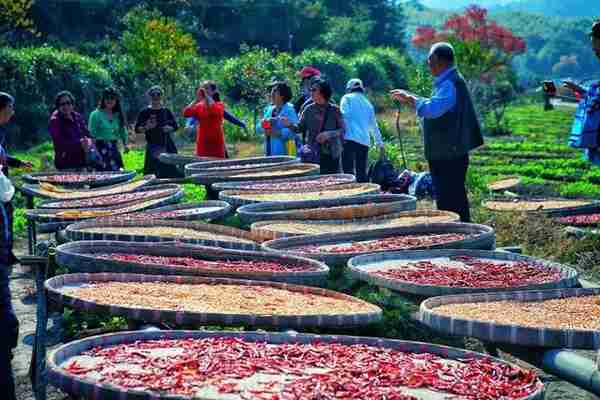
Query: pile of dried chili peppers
{"x": 476, "y": 273}
{"x": 399, "y": 242}
{"x": 298, "y": 371}
{"x": 111, "y": 199}
{"x": 581, "y": 220}
{"x": 222, "y": 266}
{"x": 313, "y": 184}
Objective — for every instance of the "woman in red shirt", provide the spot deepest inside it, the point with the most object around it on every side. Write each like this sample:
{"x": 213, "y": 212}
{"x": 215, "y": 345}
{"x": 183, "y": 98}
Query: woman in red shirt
{"x": 208, "y": 110}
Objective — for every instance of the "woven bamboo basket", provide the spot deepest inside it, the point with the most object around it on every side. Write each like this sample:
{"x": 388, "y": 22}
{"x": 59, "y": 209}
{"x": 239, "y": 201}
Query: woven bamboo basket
{"x": 93, "y": 179}
{"x": 511, "y": 333}
{"x": 332, "y": 209}
{"x": 82, "y": 387}
{"x": 56, "y": 291}
{"x": 144, "y": 193}
{"x": 62, "y": 215}
{"x": 83, "y": 257}
{"x": 480, "y": 237}
{"x": 552, "y": 207}
{"x": 181, "y": 160}
{"x": 75, "y": 194}
{"x": 301, "y": 183}
{"x": 267, "y": 173}
{"x": 238, "y": 164}
{"x": 270, "y": 230}
{"x": 508, "y": 183}
{"x": 363, "y": 267}
{"x": 137, "y": 231}
{"x": 240, "y": 198}
{"x": 206, "y": 210}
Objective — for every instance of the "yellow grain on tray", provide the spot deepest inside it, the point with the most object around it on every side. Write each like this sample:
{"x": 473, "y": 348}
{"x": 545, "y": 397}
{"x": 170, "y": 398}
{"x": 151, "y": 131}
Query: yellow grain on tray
{"x": 164, "y": 231}
{"x": 315, "y": 227}
{"x": 281, "y": 172}
{"x": 217, "y": 298}
{"x": 56, "y": 193}
{"x": 566, "y": 313}
{"x": 73, "y": 214}
{"x": 533, "y": 205}
{"x": 295, "y": 196}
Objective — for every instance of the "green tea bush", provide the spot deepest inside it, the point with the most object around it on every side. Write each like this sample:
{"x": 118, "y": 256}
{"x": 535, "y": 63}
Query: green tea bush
{"x": 35, "y": 75}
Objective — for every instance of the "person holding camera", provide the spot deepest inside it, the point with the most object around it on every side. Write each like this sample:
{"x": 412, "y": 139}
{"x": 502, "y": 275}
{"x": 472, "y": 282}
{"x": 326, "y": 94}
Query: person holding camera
{"x": 157, "y": 123}
{"x": 450, "y": 129}
{"x": 209, "y": 110}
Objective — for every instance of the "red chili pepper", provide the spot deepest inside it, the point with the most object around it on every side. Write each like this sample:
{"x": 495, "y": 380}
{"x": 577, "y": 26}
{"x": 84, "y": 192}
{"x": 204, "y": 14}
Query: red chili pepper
{"x": 220, "y": 266}
{"x": 317, "y": 370}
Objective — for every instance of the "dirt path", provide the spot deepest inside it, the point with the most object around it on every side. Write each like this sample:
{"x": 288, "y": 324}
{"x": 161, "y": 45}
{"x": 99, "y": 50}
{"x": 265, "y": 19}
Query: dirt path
{"x": 22, "y": 286}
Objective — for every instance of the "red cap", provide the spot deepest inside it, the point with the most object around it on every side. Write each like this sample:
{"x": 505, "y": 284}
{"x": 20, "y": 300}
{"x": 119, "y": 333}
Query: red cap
{"x": 309, "y": 72}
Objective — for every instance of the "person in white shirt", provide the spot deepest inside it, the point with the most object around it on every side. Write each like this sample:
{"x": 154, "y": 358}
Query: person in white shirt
{"x": 359, "y": 116}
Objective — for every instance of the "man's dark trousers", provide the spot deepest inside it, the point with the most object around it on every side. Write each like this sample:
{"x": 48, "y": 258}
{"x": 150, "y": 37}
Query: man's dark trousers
{"x": 448, "y": 178}
{"x": 9, "y": 333}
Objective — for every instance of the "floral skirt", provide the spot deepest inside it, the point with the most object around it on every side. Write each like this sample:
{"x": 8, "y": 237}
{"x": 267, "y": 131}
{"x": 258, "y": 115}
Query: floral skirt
{"x": 110, "y": 157}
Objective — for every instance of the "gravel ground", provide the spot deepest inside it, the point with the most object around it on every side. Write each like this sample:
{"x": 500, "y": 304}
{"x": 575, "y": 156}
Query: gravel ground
{"x": 22, "y": 286}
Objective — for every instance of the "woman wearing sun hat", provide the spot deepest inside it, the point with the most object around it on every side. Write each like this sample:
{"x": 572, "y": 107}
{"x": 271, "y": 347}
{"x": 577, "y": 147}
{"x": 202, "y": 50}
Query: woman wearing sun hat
{"x": 361, "y": 124}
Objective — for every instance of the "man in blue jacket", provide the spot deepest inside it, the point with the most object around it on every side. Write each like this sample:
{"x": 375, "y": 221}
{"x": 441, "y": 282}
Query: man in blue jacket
{"x": 450, "y": 129}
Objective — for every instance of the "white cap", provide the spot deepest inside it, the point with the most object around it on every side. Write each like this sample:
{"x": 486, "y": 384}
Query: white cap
{"x": 354, "y": 84}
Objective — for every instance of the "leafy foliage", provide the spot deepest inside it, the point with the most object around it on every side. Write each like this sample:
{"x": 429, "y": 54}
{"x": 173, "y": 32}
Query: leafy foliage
{"x": 34, "y": 75}
{"x": 333, "y": 67}
{"x": 347, "y": 34}
{"x": 15, "y": 16}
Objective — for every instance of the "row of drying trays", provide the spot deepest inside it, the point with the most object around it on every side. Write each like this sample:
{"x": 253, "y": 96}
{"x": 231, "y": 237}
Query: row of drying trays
{"x": 118, "y": 248}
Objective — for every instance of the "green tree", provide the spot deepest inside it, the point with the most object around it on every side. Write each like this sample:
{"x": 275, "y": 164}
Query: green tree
{"x": 347, "y": 35}
{"x": 158, "y": 46}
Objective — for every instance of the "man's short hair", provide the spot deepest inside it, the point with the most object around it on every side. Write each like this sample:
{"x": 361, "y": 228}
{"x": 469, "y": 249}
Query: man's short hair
{"x": 442, "y": 51}
{"x": 595, "y": 32}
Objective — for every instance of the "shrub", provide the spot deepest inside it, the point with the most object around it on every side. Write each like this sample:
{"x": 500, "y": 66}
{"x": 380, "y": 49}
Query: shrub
{"x": 396, "y": 65}
{"x": 371, "y": 72}
{"x": 35, "y": 75}
{"x": 333, "y": 66}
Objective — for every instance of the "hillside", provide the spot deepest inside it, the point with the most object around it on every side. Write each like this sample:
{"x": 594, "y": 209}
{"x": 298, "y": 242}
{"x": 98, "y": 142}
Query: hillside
{"x": 556, "y": 46}
{"x": 572, "y": 8}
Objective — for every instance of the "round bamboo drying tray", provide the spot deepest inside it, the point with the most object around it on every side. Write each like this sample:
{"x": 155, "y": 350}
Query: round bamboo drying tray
{"x": 238, "y": 164}
{"x": 269, "y": 230}
{"x": 144, "y": 193}
{"x": 333, "y": 209}
{"x": 57, "y": 193}
{"x": 300, "y": 183}
{"x": 266, "y": 173}
{"x": 181, "y": 160}
{"x": 58, "y": 290}
{"x": 62, "y": 215}
{"x": 239, "y": 198}
{"x": 363, "y": 268}
{"x": 205, "y": 210}
{"x": 513, "y": 332}
{"x": 83, "y": 257}
{"x": 554, "y": 207}
{"x": 93, "y": 179}
{"x": 480, "y": 237}
{"x": 163, "y": 231}
{"x": 508, "y": 183}
{"x": 92, "y": 389}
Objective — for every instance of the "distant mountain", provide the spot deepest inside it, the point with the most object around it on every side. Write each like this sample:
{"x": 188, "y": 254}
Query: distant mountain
{"x": 560, "y": 8}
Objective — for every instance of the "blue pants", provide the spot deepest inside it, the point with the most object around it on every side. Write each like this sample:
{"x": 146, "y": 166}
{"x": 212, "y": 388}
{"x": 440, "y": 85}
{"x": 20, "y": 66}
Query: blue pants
{"x": 9, "y": 335}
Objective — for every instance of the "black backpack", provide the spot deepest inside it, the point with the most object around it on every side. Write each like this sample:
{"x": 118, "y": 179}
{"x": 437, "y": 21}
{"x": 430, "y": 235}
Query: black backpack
{"x": 382, "y": 172}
